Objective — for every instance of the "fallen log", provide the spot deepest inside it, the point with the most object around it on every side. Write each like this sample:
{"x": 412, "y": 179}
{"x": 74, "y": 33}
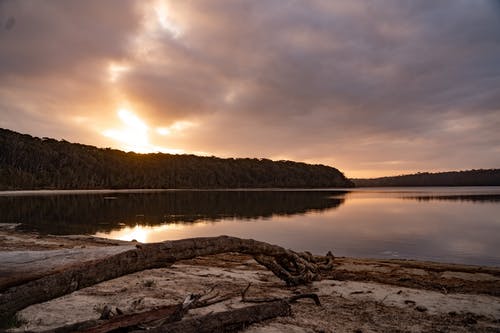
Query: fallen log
{"x": 291, "y": 299}
{"x": 159, "y": 317}
{"x": 291, "y": 267}
{"x": 18, "y": 267}
{"x": 154, "y": 317}
{"x": 167, "y": 313}
{"x": 226, "y": 321}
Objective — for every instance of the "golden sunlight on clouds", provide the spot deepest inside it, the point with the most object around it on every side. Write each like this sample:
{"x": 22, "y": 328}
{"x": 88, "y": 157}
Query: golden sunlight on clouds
{"x": 157, "y": 17}
{"x": 341, "y": 83}
{"x": 164, "y": 19}
{"x": 116, "y": 70}
{"x": 163, "y": 131}
{"x": 178, "y": 128}
{"x": 134, "y": 134}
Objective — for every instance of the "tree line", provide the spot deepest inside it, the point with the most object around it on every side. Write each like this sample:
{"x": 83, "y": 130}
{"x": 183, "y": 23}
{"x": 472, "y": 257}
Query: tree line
{"x": 482, "y": 177}
{"x": 28, "y": 162}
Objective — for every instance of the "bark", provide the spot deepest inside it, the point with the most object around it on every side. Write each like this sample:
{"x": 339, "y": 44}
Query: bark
{"x": 289, "y": 266}
{"x": 155, "y": 317}
{"x": 227, "y": 321}
{"x": 291, "y": 299}
{"x": 167, "y": 313}
{"x": 18, "y": 267}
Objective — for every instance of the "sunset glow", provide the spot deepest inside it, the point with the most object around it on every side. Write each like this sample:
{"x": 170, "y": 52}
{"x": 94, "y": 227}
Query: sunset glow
{"x": 282, "y": 130}
{"x": 116, "y": 70}
{"x": 148, "y": 234}
{"x": 133, "y": 135}
{"x": 163, "y": 16}
{"x": 344, "y": 84}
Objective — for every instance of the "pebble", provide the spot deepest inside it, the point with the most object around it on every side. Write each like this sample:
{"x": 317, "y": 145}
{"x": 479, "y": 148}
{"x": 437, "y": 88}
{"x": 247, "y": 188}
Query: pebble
{"x": 421, "y": 308}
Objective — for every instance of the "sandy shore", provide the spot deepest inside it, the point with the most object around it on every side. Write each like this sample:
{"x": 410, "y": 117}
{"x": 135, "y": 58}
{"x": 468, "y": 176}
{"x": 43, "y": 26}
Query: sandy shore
{"x": 360, "y": 295}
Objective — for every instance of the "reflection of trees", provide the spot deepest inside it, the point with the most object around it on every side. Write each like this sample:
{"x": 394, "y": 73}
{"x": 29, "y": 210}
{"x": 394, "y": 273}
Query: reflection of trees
{"x": 463, "y": 198}
{"x": 90, "y": 213}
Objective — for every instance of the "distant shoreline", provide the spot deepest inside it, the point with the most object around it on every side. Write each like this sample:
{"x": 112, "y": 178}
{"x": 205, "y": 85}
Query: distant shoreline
{"x": 150, "y": 190}
{"x": 480, "y": 177}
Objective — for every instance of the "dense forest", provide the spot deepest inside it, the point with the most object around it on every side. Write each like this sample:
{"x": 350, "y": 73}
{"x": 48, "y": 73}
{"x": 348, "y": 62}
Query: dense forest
{"x": 488, "y": 177}
{"x": 28, "y": 162}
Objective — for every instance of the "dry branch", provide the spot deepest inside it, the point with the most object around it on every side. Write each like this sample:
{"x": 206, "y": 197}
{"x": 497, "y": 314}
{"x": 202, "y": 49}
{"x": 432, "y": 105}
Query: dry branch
{"x": 291, "y": 299}
{"x": 292, "y": 267}
{"x": 227, "y": 321}
{"x": 167, "y": 313}
{"x": 155, "y": 317}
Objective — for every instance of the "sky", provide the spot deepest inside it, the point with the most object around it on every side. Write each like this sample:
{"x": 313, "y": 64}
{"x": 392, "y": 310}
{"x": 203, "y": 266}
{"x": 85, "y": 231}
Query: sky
{"x": 373, "y": 88}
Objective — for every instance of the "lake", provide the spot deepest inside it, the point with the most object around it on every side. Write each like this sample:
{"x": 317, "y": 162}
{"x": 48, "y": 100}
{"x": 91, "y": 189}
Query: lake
{"x": 460, "y": 225}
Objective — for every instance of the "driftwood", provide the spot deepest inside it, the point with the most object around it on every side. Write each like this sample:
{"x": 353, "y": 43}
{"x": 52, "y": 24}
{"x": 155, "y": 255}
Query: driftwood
{"x": 166, "y": 318}
{"x": 167, "y": 313}
{"x": 18, "y": 267}
{"x": 154, "y": 317}
{"x": 291, "y": 267}
{"x": 227, "y": 321}
{"x": 291, "y": 299}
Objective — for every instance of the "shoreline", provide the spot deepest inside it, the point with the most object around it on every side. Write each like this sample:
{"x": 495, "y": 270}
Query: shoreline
{"x": 363, "y": 295}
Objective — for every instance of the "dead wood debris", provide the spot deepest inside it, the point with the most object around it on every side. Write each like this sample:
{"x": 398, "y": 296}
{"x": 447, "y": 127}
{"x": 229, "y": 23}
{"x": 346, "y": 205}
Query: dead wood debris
{"x": 170, "y": 318}
{"x": 291, "y": 299}
{"x": 227, "y": 321}
{"x": 292, "y": 267}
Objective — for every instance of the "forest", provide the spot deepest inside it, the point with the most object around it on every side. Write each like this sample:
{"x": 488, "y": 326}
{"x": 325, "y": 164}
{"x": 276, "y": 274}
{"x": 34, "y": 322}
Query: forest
{"x": 28, "y": 162}
{"x": 482, "y": 177}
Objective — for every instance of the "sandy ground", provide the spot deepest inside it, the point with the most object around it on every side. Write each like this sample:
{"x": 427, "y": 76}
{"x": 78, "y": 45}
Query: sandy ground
{"x": 360, "y": 295}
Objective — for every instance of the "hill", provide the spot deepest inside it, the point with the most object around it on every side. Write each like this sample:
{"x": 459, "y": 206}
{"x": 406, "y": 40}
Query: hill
{"x": 28, "y": 162}
{"x": 483, "y": 177}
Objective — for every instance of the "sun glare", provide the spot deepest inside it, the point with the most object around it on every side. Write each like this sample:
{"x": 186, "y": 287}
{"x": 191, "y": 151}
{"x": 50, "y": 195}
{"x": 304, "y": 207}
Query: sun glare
{"x": 132, "y": 121}
{"x": 163, "y": 131}
{"x": 146, "y": 234}
{"x": 138, "y": 233}
{"x": 133, "y": 134}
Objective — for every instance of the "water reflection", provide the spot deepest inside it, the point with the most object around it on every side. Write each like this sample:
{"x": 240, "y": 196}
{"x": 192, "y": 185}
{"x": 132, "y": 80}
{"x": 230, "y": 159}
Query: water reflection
{"x": 386, "y": 227}
{"x": 478, "y": 198}
{"x": 92, "y": 213}
{"x": 442, "y": 224}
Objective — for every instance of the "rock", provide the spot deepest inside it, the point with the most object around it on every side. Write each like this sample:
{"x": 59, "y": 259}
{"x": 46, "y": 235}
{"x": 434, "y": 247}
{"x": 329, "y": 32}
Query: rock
{"x": 421, "y": 308}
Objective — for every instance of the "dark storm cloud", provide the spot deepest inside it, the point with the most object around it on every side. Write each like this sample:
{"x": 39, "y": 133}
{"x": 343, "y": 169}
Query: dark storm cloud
{"x": 363, "y": 85}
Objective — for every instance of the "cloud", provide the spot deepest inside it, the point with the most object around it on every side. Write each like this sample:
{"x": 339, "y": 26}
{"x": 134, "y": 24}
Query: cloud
{"x": 58, "y": 37}
{"x": 372, "y": 88}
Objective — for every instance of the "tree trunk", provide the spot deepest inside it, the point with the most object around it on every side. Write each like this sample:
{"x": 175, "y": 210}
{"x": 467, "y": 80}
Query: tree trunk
{"x": 226, "y": 321}
{"x": 291, "y": 267}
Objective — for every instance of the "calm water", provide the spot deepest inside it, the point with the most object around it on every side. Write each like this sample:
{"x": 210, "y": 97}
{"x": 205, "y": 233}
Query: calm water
{"x": 440, "y": 224}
